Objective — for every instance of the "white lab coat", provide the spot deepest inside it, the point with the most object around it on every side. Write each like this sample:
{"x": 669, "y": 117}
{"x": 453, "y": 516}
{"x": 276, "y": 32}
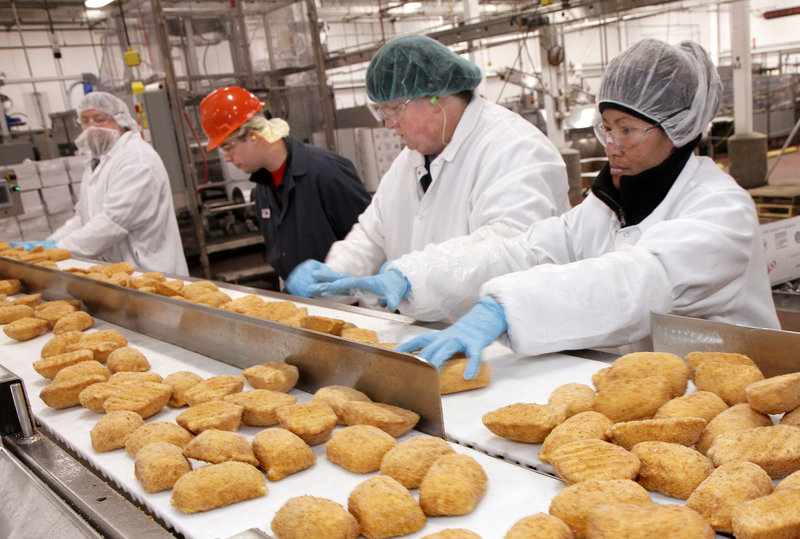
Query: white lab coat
{"x": 125, "y": 211}
{"x": 580, "y": 281}
{"x": 498, "y": 166}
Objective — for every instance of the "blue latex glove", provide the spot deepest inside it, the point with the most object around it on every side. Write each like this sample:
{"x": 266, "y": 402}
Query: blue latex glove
{"x": 471, "y": 333}
{"x": 390, "y": 285}
{"x": 28, "y": 245}
{"x": 309, "y": 273}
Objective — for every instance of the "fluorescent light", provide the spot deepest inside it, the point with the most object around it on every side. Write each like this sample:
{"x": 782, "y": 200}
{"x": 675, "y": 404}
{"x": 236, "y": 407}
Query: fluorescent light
{"x": 94, "y": 4}
{"x": 411, "y": 6}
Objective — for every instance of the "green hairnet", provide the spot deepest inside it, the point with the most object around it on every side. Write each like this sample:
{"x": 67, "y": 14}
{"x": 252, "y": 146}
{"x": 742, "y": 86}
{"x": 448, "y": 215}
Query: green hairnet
{"x": 418, "y": 66}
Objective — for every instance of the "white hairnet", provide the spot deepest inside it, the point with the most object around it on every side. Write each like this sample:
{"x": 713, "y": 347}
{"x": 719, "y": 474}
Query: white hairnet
{"x": 675, "y": 85}
{"x": 271, "y": 130}
{"x": 111, "y": 105}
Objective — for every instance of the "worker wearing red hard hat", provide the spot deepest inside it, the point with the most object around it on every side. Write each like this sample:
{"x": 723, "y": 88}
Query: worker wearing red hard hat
{"x": 306, "y": 197}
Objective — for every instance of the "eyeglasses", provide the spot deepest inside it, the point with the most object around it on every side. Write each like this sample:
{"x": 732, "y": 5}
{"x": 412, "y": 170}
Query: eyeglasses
{"x": 392, "y": 113}
{"x": 228, "y": 145}
{"x": 96, "y": 119}
{"x": 622, "y": 137}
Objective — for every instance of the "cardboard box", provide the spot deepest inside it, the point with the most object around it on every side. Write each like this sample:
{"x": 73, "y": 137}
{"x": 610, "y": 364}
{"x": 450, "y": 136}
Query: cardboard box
{"x": 27, "y": 175}
{"x": 57, "y": 199}
{"x": 782, "y": 249}
{"x": 53, "y": 172}
{"x": 9, "y": 229}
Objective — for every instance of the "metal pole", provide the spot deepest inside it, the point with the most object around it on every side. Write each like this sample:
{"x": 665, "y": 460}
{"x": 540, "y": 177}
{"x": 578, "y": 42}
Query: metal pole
{"x": 176, "y": 106}
{"x": 319, "y": 60}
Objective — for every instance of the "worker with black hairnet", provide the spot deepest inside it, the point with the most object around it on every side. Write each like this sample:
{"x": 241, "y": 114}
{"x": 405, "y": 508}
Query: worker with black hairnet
{"x": 467, "y": 163}
{"x": 125, "y": 211}
{"x": 663, "y": 231}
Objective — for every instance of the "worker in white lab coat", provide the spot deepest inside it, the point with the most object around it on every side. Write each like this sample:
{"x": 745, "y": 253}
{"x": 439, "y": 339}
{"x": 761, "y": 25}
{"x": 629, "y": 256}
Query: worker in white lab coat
{"x": 663, "y": 231}
{"x": 125, "y": 211}
{"x": 467, "y": 162}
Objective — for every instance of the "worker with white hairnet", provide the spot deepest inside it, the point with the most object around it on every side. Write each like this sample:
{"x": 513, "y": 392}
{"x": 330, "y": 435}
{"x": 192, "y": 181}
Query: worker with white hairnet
{"x": 306, "y": 197}
{"x": 467, "y": 163}
{"x": 124, "y": 211}
{"x": 662, "y": 231}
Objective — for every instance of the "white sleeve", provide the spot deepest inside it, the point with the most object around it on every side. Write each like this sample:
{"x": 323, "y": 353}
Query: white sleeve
{"x": 445, "y": 277}
{"x": 94, "y": 237}
{"x": 72, "y": 224}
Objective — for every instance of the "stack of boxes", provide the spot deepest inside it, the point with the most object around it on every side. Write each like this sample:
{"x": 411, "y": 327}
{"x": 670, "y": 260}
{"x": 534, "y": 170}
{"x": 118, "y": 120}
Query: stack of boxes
{"x": 49, "y": 190}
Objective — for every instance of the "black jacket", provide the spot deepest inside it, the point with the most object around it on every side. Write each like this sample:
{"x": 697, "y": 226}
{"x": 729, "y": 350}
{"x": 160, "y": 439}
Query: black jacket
{"x": 321, "y": 197}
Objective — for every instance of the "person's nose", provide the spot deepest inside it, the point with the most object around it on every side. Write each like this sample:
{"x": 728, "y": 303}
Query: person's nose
{"x": 612, "y": 148}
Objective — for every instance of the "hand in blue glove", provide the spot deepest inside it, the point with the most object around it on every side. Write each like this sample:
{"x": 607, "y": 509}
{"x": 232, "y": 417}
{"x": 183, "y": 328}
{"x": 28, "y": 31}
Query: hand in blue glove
{"x": 471, "y": 333}
{"x": 28, "y": 245}
{"x": 308, "y": 273}
{"x": 390, "y": 285}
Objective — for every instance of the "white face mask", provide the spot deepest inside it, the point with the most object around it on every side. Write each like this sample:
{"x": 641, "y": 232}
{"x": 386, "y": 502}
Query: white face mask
{"x": 97, "y": 140}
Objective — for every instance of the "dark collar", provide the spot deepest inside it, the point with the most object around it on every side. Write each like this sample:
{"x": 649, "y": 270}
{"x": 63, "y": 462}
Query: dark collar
{"x": 639, "y": 195}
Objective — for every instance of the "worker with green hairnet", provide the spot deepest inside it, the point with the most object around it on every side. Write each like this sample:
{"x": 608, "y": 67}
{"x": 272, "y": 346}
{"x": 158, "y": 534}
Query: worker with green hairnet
{"x": 467, "y": 163}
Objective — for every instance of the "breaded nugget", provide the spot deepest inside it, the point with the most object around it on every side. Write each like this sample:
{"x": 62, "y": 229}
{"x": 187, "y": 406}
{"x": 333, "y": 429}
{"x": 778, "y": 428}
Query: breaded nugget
{"x": 260, "y": 405}
{"x": 775, "y": 448}
{"x": 272, "y": 375}
{"x": 539, "y": 525}
{"x": 525, "y": 422}
{"x": 196, "y": 289}
{"x": 242, "y": 304}
{"x": 671, "y": 469}
{"x": 652, "y": 520}
{"x": 575, "y": 397}
{"x": 77, "y": 321}
{"x": 52, "y": 311}
{"x": 126, "y": 358}
{"x": 215, "y": 446}
{"x": 146, "y": 398}
{"x": 693, "y": 359}
{"x": 212, "y": 298}
{"x": 163, "y": 289}
{"x": 385, "y": 508}
{"x": 409, "y": 461}
{"x": 677, "y": 430}
{"x": 106, "y": 335}
{"x": 49, "y": 366}
{"x": 776, "y": 395}
{"x": 211, "y": 415}
{"x": 217, "y": 485}
{"x": 75, "y": 303}
{"x": 337, "y": 396}
{"x": 647, "y": 364}
{"x": 10, "y": 287}
{"x": 158, "y": 431}
{"x": 276, "y": 310}
{"x": 628, "y": 399}
{"x": 305, "y": 517}
{"x": 213, "y": 389}
{"x": 790, "y": 481}
{"x": 67, "y": 385}
{"x": 392, "y": 419}
{"x": 181, "y": 381}
{"x": 31, "y": 300}
{"x": 726, "y": 380}
{"x": 770, "y": 517}
{"x": 454, "y": 485}
{"x": 703, "y": 404}
{"x": 112, "y": 430}
{"x": 791, "y": 418}
{"x": 323, "y": 324}
{"x": 100, "y": 349}
{"x": 94, "y": 397}
{"x": 25, "y": 329}
{"x": 159, "y": 465}
{"x": 574, "y": 504}
{"x": 359, "y": 448}
{"x": 9, "y": 313}
{"x": 583, "y": 460}
{"x": 361, "y": 335}
{"x": 58, "y": 344}
{"x": 453, "y": 533}
{"x": 451, "y": 377}
{"x": 124, "y": 377}
{"x": 281, "y": 453}
{"x": 726, "y": 487}
{"x": 737, "y": 417}
{"x": 581, "y": 426}
{"x": 311, "y": 421}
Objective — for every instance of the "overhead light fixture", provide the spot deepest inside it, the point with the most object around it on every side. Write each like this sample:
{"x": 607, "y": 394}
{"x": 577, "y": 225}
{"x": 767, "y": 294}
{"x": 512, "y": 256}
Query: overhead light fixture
{"x": 412, "y": 6}
{"x": 94, "y": 4}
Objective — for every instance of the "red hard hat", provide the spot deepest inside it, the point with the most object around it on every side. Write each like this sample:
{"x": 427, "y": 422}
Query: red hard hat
{"x": 224, "y": 110}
